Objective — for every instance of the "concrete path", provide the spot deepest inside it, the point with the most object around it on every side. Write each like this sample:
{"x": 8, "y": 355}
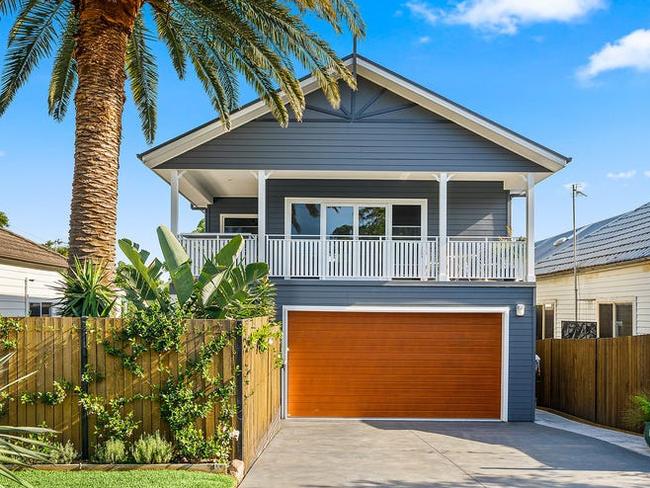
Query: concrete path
{"x": 364, "y": 454}
{"x": 632, "y": 442}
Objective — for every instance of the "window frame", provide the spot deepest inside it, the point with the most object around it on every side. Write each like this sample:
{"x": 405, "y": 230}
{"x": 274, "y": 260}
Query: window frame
{"x": 553, "y": 304}
{"x": 224, "y": 216}
{"x": 356, "y": 203}
{"x": 614, "y": 302}
{"x": 40, "y": 303}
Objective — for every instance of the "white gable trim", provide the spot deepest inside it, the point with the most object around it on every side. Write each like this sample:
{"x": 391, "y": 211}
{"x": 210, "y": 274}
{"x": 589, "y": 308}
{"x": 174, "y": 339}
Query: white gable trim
{"x": 422, "y": 97}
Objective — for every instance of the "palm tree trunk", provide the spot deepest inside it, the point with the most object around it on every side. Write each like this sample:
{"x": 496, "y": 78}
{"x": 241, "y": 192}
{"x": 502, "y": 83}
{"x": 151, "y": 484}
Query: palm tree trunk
{"x": 103, "y": 33}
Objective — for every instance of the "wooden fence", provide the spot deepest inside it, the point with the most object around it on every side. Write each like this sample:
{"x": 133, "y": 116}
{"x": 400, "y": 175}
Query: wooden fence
{"x": 593, "y": 378}
{"x": 260, "y": 398}
{"x": 52, "y": 348}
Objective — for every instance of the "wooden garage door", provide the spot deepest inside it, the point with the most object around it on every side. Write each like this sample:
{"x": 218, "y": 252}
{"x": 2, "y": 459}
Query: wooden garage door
{"x": 414, "y": 365}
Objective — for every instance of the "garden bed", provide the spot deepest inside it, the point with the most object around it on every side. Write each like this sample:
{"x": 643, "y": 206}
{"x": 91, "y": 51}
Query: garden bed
{"x": 196, "y": 467}
{"x": 127, "y": 479}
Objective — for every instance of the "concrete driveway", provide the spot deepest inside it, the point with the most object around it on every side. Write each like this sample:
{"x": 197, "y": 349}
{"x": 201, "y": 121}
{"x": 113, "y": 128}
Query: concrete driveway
{"x": 364, "y": 454}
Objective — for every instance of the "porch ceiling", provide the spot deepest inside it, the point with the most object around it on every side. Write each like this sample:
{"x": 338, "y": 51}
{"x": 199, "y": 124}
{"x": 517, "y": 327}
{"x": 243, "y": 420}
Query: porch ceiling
{"x": 200, "y": 186}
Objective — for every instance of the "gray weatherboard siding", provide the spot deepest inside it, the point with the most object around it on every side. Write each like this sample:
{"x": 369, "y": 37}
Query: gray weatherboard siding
{"x": 374, "y": 130}
{"x": 521, "y": 363}
{"x": 476, "y": 208}
{"x": 221, "y": 206}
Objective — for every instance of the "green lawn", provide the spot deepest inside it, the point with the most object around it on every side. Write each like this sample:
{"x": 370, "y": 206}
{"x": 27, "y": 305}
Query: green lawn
{"x": 126, "y": 479}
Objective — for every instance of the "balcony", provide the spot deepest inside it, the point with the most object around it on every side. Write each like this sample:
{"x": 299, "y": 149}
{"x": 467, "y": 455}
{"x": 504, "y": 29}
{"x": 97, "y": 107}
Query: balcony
{"x": 334, "y": 257}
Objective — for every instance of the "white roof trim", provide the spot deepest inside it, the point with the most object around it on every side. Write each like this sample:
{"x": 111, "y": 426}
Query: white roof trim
{"x": 422, "y": 97}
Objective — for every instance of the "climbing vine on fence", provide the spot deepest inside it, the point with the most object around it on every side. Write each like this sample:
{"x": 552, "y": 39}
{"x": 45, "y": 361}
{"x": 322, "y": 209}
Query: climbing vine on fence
{"x": 191, "y": 391}
{"x": 186, "y": 396}
{"x": 9, "y": 328}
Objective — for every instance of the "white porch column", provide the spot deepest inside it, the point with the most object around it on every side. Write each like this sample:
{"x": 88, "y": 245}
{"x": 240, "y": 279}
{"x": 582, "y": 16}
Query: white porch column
{"x": 261, "y": 215}
{"x": 173, "y": 217}
{"x": 530, "y": 227}
{"x": 443, "y": 273}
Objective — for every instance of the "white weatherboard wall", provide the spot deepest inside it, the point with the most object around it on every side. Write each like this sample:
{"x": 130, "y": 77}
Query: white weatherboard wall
{"x": 624, "y": 283}
{"x": 12, "y": 287}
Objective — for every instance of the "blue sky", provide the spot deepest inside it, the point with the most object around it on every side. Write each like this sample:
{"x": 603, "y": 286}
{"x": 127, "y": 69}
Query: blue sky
{"x": 524, "y": 64}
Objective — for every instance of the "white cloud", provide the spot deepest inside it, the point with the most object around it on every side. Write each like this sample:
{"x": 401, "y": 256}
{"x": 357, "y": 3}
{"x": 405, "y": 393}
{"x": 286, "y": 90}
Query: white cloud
{"x": 647, "y": 173}
{"x": 424, "y": 40}
{"x": 2, "y": 153}
{"x": 630, "y": 51}
{"x": 505, "y": 16}
{"x": 424, "y": 11}
{"x": 622, "y": 175}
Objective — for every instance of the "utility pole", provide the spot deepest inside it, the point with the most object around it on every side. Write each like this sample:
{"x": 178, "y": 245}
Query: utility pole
{"x": 575, "y": 192}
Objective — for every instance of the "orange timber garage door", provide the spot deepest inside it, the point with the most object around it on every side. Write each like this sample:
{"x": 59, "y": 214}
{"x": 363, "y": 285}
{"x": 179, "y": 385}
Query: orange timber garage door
{"x": 392, "y": 364}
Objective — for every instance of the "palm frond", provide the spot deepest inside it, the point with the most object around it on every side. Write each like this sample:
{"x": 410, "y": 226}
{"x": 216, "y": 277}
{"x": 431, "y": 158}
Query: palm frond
{"x": 170, "y": 32}
{"x": 143, "y": 76}
{"x": 335, "y": 12}
{"x": 17, "y": 444}
{"x": 10, "y": 6}
{"x": 218, "y": 78}
{"x": 30, "y": 40}
{"x": 64, "y": 72}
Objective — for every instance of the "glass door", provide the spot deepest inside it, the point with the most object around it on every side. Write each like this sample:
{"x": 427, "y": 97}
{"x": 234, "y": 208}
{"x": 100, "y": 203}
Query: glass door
{"x": 370, "y": 249}
{"x": 339, "y": 234}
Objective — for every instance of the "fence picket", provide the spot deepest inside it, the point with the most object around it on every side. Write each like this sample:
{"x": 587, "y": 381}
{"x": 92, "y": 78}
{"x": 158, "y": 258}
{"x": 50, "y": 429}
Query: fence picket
{"x": 51, "y": 347}
{"x": 594, "y": 379}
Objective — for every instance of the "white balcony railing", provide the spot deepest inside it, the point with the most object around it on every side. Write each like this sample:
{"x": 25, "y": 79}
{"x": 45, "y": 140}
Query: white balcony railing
{"x": 468, "y": 258}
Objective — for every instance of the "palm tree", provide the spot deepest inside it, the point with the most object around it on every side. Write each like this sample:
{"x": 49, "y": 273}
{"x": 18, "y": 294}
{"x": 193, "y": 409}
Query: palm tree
{"x": 101, "y": 43}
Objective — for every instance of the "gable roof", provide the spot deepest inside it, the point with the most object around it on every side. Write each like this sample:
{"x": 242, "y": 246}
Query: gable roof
{"x": 14, "y": 247}
{"x": 390, "y": 80}
{"x": 619, "y": 239}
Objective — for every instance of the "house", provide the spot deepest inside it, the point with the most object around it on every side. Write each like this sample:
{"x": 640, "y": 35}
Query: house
{"x": 385, "y": 225}
{"x": 28, "y": 273}
{"x": 613, "y": 259}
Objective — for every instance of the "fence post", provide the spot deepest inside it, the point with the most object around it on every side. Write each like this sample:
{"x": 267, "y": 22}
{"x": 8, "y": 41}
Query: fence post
{"x": 239, "y": 384}
{"x": 84, "y": 387}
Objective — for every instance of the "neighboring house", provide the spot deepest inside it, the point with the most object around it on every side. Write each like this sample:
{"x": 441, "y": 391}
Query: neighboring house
{"x": 385, "y": 225}
{"x": 28, "y": 273}
{"x": 613, "y": 258}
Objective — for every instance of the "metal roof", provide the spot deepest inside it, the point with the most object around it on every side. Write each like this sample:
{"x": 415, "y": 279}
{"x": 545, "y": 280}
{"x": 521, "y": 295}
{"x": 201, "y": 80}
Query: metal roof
{"x": 622, "y": 238}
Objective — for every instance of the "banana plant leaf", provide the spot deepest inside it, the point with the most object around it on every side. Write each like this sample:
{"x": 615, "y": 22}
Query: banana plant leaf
{"x": 178, "y": 264}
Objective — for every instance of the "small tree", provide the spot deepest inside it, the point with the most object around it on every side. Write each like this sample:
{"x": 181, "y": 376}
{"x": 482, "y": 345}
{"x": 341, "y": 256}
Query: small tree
{"x": 4, "y": 220}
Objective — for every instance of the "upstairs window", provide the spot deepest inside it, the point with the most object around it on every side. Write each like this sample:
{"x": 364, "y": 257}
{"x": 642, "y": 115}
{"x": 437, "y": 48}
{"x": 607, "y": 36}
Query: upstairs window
{"x": 407, "y": 221}
{"x": 239, "y": 224}
{"x": 305, "y": 219}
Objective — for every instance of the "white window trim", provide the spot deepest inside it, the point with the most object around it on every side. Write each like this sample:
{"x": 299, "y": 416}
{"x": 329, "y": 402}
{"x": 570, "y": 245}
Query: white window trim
{"x": 356, "y": 203}
{"x": 505, "y": 346}
{"x": 543, "y": 305}
{"x": 616, "y": 301}
{"x": 224, "y": 216}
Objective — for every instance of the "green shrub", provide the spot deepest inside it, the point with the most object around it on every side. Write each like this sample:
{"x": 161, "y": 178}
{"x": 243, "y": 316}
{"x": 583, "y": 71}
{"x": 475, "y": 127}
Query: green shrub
{"x": 113, "y": 451}
{"x": 639, "y": 412}
{"x": 152, "y": 449}
{"x": 84, "y": 291}
{"x": 63, "y": 453}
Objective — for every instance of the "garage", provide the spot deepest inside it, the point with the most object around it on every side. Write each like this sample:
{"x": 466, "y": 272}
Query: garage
{"x": 395, "y": 364}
